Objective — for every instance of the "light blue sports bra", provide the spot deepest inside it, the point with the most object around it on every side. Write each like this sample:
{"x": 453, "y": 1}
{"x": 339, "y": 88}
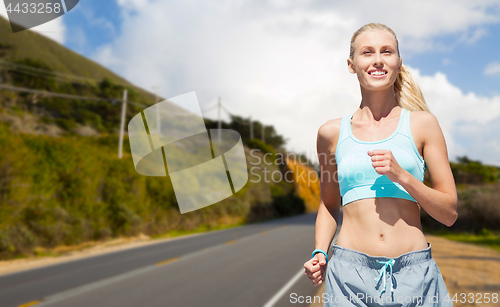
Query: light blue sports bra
{"x": 357, "y": 177}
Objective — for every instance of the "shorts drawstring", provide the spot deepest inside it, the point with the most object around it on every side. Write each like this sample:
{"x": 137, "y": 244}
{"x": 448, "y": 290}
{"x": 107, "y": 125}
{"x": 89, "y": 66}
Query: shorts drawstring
{"x": 389, "y": 264}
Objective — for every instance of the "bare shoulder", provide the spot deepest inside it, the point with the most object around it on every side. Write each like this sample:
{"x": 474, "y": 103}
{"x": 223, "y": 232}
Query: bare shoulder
{"x": 423, "y": 118}
{"x": 428, "y": 135}
{"x": 425, "y": 123}
{"x": 328, "y": 135}
{"x": 330, "y": 128}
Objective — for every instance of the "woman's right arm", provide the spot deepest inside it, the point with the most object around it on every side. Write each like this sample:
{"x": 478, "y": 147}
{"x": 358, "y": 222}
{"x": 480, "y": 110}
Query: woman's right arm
{"x": 329, "y": 207}
{"x": 330, "y": 202}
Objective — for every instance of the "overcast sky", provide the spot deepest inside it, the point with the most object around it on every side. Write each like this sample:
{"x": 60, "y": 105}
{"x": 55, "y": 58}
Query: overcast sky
{"x": 284, "y": 62}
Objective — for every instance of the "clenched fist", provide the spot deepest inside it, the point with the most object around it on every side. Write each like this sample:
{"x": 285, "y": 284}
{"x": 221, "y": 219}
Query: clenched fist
{"x": 315, "y": 269}
{"x": 384, "y": 163}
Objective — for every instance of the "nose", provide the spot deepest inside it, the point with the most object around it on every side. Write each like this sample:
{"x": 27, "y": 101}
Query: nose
{"x": 377, "y": 60}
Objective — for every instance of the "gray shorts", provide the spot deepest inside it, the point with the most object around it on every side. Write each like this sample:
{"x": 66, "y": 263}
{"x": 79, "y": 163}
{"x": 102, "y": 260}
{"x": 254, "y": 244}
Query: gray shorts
{"x": 356, "y": 279}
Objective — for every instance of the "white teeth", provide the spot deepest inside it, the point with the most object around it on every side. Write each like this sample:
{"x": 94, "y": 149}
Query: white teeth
{"x": 377, "y": 73}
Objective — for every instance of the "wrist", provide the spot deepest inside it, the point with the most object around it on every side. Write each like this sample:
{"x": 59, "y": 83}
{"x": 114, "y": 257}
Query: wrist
{"x": 319, "y": 250}
{"x": 405, "y": 178}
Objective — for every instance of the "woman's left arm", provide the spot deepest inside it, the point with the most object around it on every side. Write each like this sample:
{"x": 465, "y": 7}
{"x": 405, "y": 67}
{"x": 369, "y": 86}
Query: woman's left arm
{"x": 439, "y": 200}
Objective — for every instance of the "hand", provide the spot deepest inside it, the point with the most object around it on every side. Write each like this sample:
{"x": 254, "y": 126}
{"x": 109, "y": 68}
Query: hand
{"x": 315, "y": 269}
{"x": 384, "y": 163}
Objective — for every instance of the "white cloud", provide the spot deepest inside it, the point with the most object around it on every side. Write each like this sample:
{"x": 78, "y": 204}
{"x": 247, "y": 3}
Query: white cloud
{"x": 468, "y": 121}
{"x": 470, "y": 38}
{"x": 492, "y": 69}
{"x": 417, "y": 24}
{"x": 54, "y": 29}
{"x": 94, "y": 21}
{"x": 479, "y": 140}
{"x": 284, "y": 63}
{"x": 133, "y": 5}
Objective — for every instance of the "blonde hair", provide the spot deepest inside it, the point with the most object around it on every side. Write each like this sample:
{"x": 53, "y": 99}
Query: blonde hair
{"x": 407, "y": 92}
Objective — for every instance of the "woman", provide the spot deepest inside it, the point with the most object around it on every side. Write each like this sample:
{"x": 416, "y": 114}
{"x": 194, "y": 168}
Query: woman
{"x": 373, "y": 163}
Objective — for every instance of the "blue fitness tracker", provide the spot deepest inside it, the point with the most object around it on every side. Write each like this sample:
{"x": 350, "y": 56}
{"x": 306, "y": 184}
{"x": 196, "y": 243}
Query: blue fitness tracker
{"x": 319, "y": 251}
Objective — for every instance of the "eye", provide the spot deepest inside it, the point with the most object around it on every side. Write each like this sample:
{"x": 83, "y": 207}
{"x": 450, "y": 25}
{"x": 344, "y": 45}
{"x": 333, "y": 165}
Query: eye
{"x": 388, "y": 51}
{"x": 366, "y": 51}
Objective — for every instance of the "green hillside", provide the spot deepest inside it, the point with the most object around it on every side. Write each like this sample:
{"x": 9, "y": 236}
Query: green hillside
{"x": 29, "y": 44}
{"x": 31, "y": 61}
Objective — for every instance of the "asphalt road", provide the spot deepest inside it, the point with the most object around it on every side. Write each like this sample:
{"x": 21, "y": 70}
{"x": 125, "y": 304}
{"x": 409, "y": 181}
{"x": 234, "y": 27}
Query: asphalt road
{"x": 254, "y": 265}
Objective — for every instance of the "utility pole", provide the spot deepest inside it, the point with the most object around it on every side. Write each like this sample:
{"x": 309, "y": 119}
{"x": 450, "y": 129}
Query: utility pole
{"x": 155, "y": 89}
{"x": 122, "y": 123}
{"x": 263, "y": 135}
{"x": 219, "y": 124}
{"x": 251, "y": 128}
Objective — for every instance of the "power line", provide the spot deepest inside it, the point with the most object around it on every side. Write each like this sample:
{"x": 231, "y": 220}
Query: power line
{"x": 67, "y": 96}
{"x": 209, "y": 109}
{"x": 138, "y": 104}
{"x": 29, "y": 70}
{"x": 29, "y": 73}
{"x": 250, "y": 122}
{"x": 224, "y": 108}
{"x": 58, "y": 75}
{"x": 233, "y": 117}
{"x": 124, "y": 102}
{"x": 47, "y": 72}
{"x": 123, "y": 111}
{"x": 52, "y": 94}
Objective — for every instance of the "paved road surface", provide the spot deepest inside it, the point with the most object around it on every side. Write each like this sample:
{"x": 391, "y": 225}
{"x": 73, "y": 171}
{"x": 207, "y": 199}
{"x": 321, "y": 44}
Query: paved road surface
{"x": 252, "y": 265}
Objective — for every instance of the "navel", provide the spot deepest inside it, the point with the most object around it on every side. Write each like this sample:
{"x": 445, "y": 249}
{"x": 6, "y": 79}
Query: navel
{"x": 381, "y": 237}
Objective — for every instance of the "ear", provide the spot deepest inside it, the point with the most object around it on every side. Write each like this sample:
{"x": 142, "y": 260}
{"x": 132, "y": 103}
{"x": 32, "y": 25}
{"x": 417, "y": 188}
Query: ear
{"x": 350, "y": 66}
{"x": 400, "y": 64}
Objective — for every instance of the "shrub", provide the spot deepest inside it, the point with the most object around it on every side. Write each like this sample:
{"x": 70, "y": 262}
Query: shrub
{"x": 264, "y": 149}
{"x": 473, "y": 172}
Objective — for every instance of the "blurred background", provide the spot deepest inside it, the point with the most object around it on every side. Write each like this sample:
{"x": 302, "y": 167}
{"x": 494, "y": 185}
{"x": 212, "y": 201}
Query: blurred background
{"x": 274, "y": 71}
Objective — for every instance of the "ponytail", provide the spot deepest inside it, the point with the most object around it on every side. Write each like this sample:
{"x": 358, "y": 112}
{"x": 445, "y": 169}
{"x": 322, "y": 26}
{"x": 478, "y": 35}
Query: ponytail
{"x": 408, "y": 93}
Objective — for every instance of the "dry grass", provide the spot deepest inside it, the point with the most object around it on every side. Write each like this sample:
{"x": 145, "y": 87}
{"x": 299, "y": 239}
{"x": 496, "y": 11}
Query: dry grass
{"x": 306, "y": 183}
{"x": 30, "y": 124}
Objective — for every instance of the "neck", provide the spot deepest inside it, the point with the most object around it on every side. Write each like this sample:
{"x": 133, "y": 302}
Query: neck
{"x": 378, "y": 103}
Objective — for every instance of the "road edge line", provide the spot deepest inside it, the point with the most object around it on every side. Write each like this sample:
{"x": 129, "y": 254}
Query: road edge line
{"x": 282, "y": 291}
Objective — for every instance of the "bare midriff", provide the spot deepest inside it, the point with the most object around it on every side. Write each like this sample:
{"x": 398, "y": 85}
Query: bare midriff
{"x": 382, "y": 227}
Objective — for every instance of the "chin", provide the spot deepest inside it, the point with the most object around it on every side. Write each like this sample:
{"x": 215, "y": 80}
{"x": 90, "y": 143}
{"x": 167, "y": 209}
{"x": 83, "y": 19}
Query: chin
{"x": 377, "y": 87}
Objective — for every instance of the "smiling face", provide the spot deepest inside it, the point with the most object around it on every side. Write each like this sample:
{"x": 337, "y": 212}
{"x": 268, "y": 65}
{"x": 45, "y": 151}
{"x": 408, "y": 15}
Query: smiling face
{"x": 375, "y": 60}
